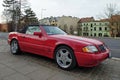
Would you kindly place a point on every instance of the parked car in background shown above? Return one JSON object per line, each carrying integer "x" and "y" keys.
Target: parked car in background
{"x": 67, "y": 50}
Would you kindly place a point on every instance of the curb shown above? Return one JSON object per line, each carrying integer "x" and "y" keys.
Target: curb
{"x": 114, "y": 58}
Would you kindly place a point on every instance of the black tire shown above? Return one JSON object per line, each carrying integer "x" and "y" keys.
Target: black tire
{"x": 64, "y": 57}
{"x": 14, "y": 47}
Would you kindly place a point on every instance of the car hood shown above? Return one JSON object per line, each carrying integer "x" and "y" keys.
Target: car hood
{"x": 78, "y": 39}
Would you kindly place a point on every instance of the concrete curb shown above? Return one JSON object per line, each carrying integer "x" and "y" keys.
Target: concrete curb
{"x": 114, "y": 58}
{"x": 117, "y": 38}
{"x": 109, "y": 37}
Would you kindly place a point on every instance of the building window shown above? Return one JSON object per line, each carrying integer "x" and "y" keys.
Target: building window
{"x": 100, "y": 34}
{"x": 106, "y": 35}
{"x": 105, "y": 28}
{"x": 106, "y": 24}
{"x": 91, "y": 25}
{"x": 91, "y": 29}
{"x": 87, "y": 34}
{"x": 86, "y": 28}
{"x": 94, "y": 23}
{"x": 100, "y": 28}
{"x": 95, "y": 34}
{"x": 84, "y": 34}
{"x": 80, "y": 24}
{"x": 94, "y": 28}
{"x": 91, "y": 35}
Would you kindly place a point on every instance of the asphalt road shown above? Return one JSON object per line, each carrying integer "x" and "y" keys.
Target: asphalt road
{"x": 3, "y": 35}
{"x": 112, "y": 43}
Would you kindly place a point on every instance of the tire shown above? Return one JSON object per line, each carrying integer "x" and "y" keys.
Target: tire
{"x": 14, "y": 47}
{"x": 64, "y": 57}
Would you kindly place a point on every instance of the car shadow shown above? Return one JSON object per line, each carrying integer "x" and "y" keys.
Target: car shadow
{"x": 52, "y": 64}
{"x": 79, "y": 72}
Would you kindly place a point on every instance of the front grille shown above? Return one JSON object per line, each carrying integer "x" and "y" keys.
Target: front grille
{"x": 102, "y": 48}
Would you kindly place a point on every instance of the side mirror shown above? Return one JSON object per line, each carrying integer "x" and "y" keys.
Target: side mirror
{"x": 38, "y": 34}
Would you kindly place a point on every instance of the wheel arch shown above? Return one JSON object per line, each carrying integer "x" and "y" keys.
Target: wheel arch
{"x": 57, "y": 46}
{"x": 13, "y": 39}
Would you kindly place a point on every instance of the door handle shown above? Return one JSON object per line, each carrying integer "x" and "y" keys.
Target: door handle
{"x": 23, "y": 36}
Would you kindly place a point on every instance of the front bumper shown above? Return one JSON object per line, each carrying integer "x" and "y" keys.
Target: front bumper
{"x": 110, "y": 56}
{"x": 90, "y": 60}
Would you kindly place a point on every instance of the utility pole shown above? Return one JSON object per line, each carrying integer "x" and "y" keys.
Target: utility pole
{"x": 17, "y": 15}
{"x": 19, "y": 22}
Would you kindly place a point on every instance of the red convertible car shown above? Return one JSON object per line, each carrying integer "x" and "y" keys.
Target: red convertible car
{"x": 67, "y": 50}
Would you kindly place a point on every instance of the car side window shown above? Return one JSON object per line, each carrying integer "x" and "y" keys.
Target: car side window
{"x": 32, "y": 29}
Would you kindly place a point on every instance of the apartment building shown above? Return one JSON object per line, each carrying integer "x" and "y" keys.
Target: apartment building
{"x": 95, "y": 28}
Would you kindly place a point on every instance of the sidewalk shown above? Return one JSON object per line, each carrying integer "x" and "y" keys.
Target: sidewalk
{"x": 33, "y": 67}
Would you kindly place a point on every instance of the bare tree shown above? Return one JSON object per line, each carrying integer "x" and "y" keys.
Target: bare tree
{"x": 111, "y": 9}
{"x": 112, "y": 14}
{"x": 14, "y": 11}
{"x": 115, "y": 25}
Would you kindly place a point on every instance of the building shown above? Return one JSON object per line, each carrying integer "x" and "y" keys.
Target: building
{"x": 45, "y": 21}
{"x": 53, "y": 21}
{"x": 95, "y": 28}
{"x": 67, "y": 23}
{"x": 115, "y": 25}
{"x": 4, "y": 28}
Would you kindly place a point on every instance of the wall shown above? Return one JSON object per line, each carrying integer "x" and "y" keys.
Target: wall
{"x": 3, "y": 27}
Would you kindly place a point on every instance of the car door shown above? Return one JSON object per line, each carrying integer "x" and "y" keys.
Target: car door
{"x": 33, "y": 43}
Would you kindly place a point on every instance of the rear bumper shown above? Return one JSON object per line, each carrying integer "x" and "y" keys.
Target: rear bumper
{"x": 90, "y": 60}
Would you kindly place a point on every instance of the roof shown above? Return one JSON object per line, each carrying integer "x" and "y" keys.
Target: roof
{"x": 115, "y": 17}
{"x": 87, "y": 19}
{"x": 104, "y": 20}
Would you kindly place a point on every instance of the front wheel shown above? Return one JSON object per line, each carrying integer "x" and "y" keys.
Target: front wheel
{"x": 14, "y": 47}
{"x": 65, "y": 58}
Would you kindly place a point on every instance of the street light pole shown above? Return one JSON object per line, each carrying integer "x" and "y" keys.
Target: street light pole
{"x": 42, "y": 12}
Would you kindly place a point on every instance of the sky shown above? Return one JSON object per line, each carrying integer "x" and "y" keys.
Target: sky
{"x": 75, "y": 8}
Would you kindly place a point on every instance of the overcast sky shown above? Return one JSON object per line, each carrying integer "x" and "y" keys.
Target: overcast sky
{"x": 77, "y": 8}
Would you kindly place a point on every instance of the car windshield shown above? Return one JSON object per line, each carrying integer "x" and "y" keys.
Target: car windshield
{"x": 53, "y": 30}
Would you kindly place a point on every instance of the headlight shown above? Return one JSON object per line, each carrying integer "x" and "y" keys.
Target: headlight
{"x": 90, "y": 49}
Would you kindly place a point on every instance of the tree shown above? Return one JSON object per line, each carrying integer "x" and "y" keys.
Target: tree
{"x": 112, "y": 14}
{"x": 30, "y": 17}
{"x": 14, "y": 12}
{"x": 9, "y": 11}
{"x": 114, "y": 18}
{"x": 65, "y": 27}
{"x": 71, "y": 29}
{"x": 115, "y": 25}
{"x": 111, "y": 9}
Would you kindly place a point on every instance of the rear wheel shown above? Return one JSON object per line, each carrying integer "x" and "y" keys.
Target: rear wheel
{"x": 65, "y": 58}
{"x": 14, "y": 47}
